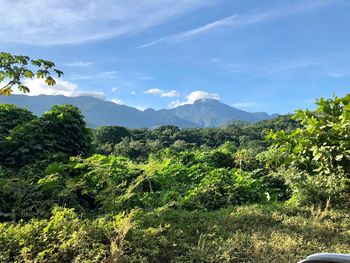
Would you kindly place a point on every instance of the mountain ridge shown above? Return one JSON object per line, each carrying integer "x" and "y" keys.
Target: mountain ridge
{"x": 97, "y": 112}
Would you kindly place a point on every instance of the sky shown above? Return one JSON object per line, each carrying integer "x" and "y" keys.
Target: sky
{"x": 257, "y": 55}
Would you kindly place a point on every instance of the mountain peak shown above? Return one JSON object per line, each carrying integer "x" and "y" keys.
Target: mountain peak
{"x": 206, "y": 100}
{"x": 149, "y": 110}
{"x": 202, "y": 113}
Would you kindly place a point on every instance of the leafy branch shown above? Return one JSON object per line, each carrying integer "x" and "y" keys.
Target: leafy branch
{"x": 13, "y": 69}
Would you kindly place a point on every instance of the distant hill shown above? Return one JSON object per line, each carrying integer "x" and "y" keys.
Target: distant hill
{"x": 213, "y": 113}
{"x": 97, "y": 112}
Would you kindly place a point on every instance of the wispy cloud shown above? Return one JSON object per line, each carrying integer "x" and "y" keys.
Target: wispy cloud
{"x": 62, "y": 87}
{"x": 79, "y": 77}
{"x": 108, "y": 74}
{"x": 117, "y": 101}
{"x": 246, "y": 104}
{"x": 194, "y": 96}
{"x": 120, "y": 78}
{"x": 272, "y": 68}
{"x": 227, "y": 21}
{"x": 79, "y": 64}
{"x": 339, "y": 73}
{"x": 240, "y": 20}
{"x": 101, "y": 75}
{"x": 55, "y": 22}
{"x": 163, "y": 93}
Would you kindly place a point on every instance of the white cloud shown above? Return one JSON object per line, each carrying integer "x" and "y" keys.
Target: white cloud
{"x": 54, "y": 22}
{"x": 133, "y": 93}
{"x": 339, "y": 73}
{"x": 108, "y": 74}
{"x": 335, "y": 74}
{"x": 114, "y": 89}
{"x": 240, "y": 20}
{"x": 176, "y": 103}
{"x": 194, "y": 96}
{"x": 117, "y": 101}
{"x": 62, "y": 87}
{"x": 201, "y": 95}
{"x": 272, "y": 68}
{"x": 153, "y": 91}
{"x": 171, "y": 93}
{"x": 163, "y": 93}
{"x": 79, "y": 64}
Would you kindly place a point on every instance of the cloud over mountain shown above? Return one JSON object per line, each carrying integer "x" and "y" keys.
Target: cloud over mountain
{"x": 62, "y": 87}
{"x": 194, "y": 96}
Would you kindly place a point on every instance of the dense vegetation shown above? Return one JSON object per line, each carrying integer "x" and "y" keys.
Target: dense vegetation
{"x": 70, "y": 194}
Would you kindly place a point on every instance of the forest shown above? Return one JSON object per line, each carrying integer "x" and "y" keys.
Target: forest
{"x": 272, "y": 191}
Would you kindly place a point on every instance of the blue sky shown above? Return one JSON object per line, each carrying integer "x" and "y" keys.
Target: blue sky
{"x": 257, "y": 55}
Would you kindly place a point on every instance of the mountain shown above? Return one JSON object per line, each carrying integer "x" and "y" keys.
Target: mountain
{"x": 97, "y": 112}
{"x": 168, "y": 118}
{"x": 213, "y": 113}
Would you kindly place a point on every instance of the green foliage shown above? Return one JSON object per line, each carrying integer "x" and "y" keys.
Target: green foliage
{"x": 11, "y": 116}
{"x": 171, "y": 195}
{"x": 100, "y": 184}
{"x": 66, "y": 130}
{"x": 14, "y": 68}
{"x": 138, "y": 144}
{"x": 65, "y": 237}
{"x": 61, "y": 130}
{"x": 89, "y": 185}
{"x": 245, "y": 159}
{"x": 108, "y": 135}
{"x": 132, "y": 149}
{"x": 221, "y": 188}
{"x": 242, "y": 234}
{"x": 316, "y": 157}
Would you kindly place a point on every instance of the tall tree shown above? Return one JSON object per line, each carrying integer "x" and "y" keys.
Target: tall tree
{"x": 11, "y": 116}
{"x": 62, "y": 130}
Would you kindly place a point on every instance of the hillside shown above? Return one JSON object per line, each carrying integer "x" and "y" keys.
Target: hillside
{"x": 97, "y": 112}
{"x": 227, "y": 194}
{"x": 213, "y": 113}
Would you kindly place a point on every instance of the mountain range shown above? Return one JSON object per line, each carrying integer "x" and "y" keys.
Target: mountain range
{"x": 97, "y": 112}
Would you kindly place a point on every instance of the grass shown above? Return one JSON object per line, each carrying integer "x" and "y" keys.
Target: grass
{"x": 249, "y": 233}
{"x": 243, "y": 234}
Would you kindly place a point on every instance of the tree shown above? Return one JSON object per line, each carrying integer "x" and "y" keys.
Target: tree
{"x": 11, "y": 116}
{"x": 135, "y": 150}
{"x": 110, "y": 134}
{"x": 14, "y": 68}
{"x": 62, "y": 130}
{"x": 65, "y": 130}
{"x": 317, "y": 156}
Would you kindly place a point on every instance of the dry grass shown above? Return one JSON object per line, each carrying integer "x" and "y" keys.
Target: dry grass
{"x": 247, "y": 234}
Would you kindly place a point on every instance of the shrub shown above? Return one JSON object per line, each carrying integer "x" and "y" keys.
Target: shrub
{"x": 316, "y": 157}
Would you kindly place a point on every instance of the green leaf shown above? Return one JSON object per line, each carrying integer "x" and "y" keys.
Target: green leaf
{"x": 50, "y": 81}
{"x": 339, "y": 157}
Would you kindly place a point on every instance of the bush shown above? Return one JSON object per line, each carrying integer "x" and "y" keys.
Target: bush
{"x": 65, "y": 237}
{"x": 61, "y": 130}
{"x": 316, "y": 158}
